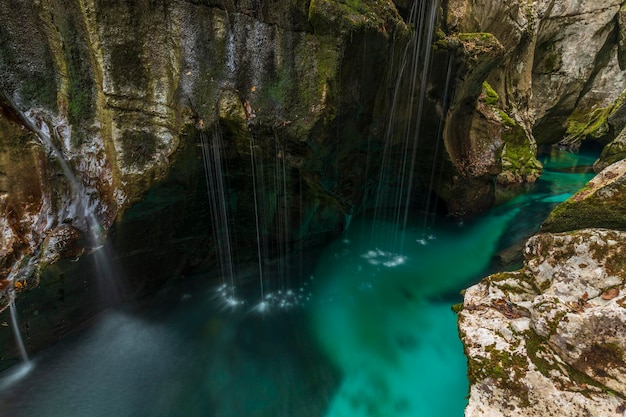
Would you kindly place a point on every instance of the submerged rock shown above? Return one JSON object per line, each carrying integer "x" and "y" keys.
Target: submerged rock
{"x": 549, "y": 339}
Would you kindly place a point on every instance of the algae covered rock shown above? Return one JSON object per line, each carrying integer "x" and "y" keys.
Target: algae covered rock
{"x": 549, "y": 339}
{"x": 600, "y": 203}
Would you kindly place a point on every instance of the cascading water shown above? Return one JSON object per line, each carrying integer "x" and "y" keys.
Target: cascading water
{"x": 435, "y": 175}
{"x": 253, "y": 163}
{"x": 25, "y": 367}
{"x": 76, "y": 207}
{"x": 390, "y": 341}
{"x": 382, "y": 321}
{"x": 212, "y": 146}
{"x": 270, "y": 285}
{"x": 17, "y": 334}
{"x": 404, "y": 127}
{"x": 79, "y": 209}
{"x": 270, "y": 196}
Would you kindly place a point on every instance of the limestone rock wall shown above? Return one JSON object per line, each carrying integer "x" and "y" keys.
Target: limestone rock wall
{"x": 541, "y": 89}
{"x": 549, "y": 339}
{"x": 103, "y": 108}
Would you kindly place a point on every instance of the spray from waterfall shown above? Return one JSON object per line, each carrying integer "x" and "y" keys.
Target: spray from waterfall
{"x": 17, "y": 372}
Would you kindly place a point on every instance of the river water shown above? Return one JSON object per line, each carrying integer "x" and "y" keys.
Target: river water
{"x": 375, "y": 335}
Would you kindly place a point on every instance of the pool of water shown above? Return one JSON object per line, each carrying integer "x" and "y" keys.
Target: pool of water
{"x": 375, "y": 335}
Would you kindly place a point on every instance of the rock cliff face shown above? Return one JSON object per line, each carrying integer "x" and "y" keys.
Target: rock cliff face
{"x": 549, "y": 339}
{"x": 110, "y": 112}
{"x": 107, "y": 107}
{"x": 539, "y": 89}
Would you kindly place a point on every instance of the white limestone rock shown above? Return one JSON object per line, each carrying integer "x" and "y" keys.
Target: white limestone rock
{"x": 550, "y": 339}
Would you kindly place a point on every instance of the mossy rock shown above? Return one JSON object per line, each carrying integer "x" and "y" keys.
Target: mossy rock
{"x": 592, "y": 124}
{"x": 600, "y": 204}
{"x": 345, "y": 16}
{"x": 479, "y": 43}
{"x": 613, "y": 152}
{"x": 491, "y": 97}
{"x": 518, "y": 153}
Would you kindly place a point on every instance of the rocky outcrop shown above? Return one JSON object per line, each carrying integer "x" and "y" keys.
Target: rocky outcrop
{"x": 600, "y": 203}
{"x": 541, "y": 90}
{"x": 549, "y": 339}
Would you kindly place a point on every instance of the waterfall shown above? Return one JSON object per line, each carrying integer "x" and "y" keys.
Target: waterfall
{"x": 402, "y": 136}
{"x": 253, "y": 163}
{"x": 435, "y": 176}
{"x": 264, "y": 226}
{"x": 212, "y": 147}
{"x": 78, "y": 208}
{"x": 79, "y": 197}
{"x": 20, "y": 371}
{"x": 17, "y": 334}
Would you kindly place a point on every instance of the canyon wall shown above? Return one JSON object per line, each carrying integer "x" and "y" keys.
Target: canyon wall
{"x": 107, "y": 108}
{"x": 546, "y": 339}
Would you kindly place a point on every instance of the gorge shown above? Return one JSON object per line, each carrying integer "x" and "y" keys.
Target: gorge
{"x": 155, "y": 149}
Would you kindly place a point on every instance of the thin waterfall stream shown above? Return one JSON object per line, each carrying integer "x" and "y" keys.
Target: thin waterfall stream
{"x": 16, "y": 333}
{"x": 377, "y": 337}
{"x": 80, "y": 211}
{"x": 403, "y": 134}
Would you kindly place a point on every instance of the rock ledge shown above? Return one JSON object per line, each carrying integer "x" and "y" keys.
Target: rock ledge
{"x": 549, "y": 339}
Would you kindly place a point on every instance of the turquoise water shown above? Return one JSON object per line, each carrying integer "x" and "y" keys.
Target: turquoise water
{"x": 384, "y": 316}
{"x": 376, "y": 338}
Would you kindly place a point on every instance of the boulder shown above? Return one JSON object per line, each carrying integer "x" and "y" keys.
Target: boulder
{"x": 600, "y": 203}
{"x": 549, "y": 339}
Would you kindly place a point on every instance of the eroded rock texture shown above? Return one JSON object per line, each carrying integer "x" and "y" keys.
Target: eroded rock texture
{"x": 549, "y": 339}
{"x": 600, "y": 203}
{"x": 539, "y": 89}
{"x": 105, "y": 106}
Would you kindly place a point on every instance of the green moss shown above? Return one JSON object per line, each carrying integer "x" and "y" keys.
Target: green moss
{"x": 505, "y": 368}
{"x": 491, "y": 97}
{"x": 127, "y": 66}
{"x": 593, "y": 123}
{"x": 328, "y": 16}
{"x": 37, "y": 87}
{"x": 518, "y": 153}
{"x": 80, "y": 89}
{"x": 476, "y": 36}
{"x": 607, "y": 211}
{"x": 441, "y": 41}
{"x": 542, "y": 356}
{"x": 507, "y": 120}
